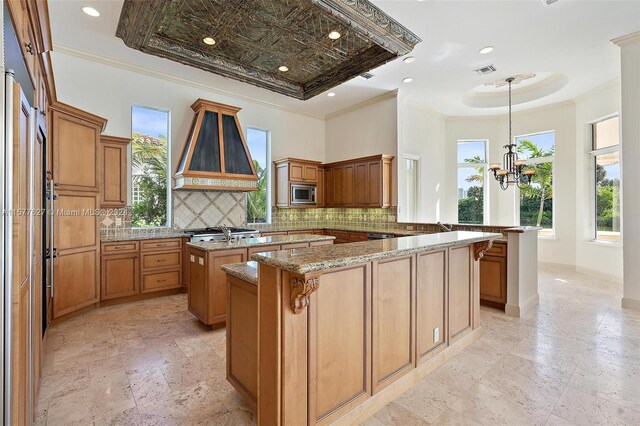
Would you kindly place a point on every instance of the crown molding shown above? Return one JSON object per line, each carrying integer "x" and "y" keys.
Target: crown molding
{"x": 568, "y": 102}
{"x": 608, "y": 85}
{"x": 371, "y": 101}
{"x": 89, "y": 56}
{"x": 627, "y": 40}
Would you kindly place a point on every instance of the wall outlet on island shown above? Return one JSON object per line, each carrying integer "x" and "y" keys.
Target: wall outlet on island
{"x": 436, "y": 335}
{"x": 118, "y": 221}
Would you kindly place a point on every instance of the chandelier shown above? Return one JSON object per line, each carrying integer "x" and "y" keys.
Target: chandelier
{"x": 512, "y": 171}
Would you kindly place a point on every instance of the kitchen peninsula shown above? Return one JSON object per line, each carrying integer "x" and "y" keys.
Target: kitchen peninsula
{"x": 337, "y": 325}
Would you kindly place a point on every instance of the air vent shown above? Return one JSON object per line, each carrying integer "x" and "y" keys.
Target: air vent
{"x": 366, "y": 75}
{"x": 485, "y": 70}
{"x": 548, "y": 2}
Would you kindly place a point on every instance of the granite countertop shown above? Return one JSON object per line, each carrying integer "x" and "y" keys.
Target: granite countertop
{"x": 523, "y": 229}
{"x": 304, "y": 261}
{"x": 282, "y": 228}
{"x": 247, "y": 271}
{"x": 260, "y": 241}
{"x": 145, "y": 236}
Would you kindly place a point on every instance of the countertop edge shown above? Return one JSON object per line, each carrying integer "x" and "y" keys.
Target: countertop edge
{"x": 321, "y": 266}
{"x": 243, "y": 244}
{"x": 243, "y": 271}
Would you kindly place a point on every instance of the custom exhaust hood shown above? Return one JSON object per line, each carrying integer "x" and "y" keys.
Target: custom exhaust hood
{"x": 215, "y": 155}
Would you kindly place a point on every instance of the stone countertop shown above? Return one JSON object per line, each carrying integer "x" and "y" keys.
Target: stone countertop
{"x": 314, "y": 259}
{"x": 145, "y": 236}
{"x": 523, "y": 229}
{"x": 247, "y": 271}
{"x": 286, "y": 228}
{"x": 260, "y": 241}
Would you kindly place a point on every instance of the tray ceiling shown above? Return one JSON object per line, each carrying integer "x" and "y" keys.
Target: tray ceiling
{"x": 253, "y": 38}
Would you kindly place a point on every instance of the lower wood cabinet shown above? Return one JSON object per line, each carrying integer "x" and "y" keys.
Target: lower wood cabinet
{"x": 493, "y": 276}
{"x": 120, "y": 275}
{"x": 131, "y": 268}
{"x": 431, "y": 315}
{"x": 75, "y": 281}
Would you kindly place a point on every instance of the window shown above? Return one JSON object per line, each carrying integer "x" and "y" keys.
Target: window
{"x": 150, "y": 190}
{"x": 536, "y": 200}
{"x": 258, "y": 202}
{"x": 472, "y": 166}
{"x": 605, "y": 155}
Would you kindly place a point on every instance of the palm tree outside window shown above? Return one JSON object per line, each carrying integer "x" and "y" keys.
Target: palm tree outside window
{"x": 472, "y": 166}
{"x": 259, "y": 202}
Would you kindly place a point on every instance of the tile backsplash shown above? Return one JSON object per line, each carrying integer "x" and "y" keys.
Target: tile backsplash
{"x": 200, "y": 209}
{"x": 337, "y": 216}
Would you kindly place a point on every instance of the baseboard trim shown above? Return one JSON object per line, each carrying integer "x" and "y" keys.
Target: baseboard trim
{"x": 631, "y": 303}
{"x": 520, "y": 311}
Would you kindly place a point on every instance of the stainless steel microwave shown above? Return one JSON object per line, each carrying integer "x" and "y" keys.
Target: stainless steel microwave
{"x": 303, "y": 194}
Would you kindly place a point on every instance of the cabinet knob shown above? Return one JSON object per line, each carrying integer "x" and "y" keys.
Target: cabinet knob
{"x": 29, "y": 48}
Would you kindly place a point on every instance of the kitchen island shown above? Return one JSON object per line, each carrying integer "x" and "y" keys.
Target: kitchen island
{"x": 342, "y": 330}
{"x": 207, "y": 287}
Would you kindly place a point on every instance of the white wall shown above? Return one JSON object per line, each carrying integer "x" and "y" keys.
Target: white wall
{"x": 421, "y": 133}
{"x": 366, "y": 129}
{"x": 110, "y": 92}
{"x": 602, "y": 258}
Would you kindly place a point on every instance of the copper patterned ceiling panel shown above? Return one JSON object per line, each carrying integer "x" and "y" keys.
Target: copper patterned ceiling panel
{"x": 255, "y": 37}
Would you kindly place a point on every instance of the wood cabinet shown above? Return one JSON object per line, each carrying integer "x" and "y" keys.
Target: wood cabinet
{"x": 297, "y": 171}
{"x": 132, "y": 268}
{"x": 355, "y": 236}
{"x": 493, "y": 276}
{"x": 341, "y": 237}
{"x": 120, "y": 275}
{"x": 363, "y": 182}
{"x": 431, "y": 296}
{"x": 113, "y": 171}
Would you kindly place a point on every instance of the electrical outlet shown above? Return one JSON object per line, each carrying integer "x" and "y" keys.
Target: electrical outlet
{"x": 193, "y": 258}
{"x": 118, "y": 221}
{"x": 201, "y": 260}
{"x": 436, "y": 335}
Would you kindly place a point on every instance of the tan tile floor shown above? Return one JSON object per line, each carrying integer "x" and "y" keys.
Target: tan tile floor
{"x": 573, "y": 360}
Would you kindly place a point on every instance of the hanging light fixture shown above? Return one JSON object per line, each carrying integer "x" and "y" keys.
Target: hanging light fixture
{"x": 512, "y": 170}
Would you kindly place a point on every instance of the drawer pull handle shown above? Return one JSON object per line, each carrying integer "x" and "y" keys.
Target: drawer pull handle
{"x": 161, "y": 260}
{"x": 161, "y": 281}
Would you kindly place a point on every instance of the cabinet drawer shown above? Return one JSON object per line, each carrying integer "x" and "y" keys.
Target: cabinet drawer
{"x": 357, "y": 236}
{"x": 162, "y": 260}
{"x": 155, "y": 245}
{"x": 160, "y": 281}
{"x": 120, "y": 247}
{"x": 498, "y": 249}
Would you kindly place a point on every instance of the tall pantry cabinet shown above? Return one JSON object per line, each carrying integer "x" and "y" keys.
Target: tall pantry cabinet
{"x": 75, "y": 141}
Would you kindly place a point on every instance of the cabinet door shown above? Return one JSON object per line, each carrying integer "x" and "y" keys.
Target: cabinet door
{"x": 282, "y": 185}
{"x": 75, "y": 153}
{"x": 347, "y": 185}
{"x": 113, "y": 174}
{"x": 374, "y": 182}
{"x": 431, "y": 292}
{"x": 120, "y": 276}
{"x": 218, "y": 301}
{"x": 361, "y": 184}
{"x": 75, "y": 281}
{"x": 310, "y": 173}
{"x": 338, "y": 184}
{"x": 296, "y": 172}
{"x": 493, "y": 279}
{"x": 460, "y": 303}
{"x": 328, "y": 188}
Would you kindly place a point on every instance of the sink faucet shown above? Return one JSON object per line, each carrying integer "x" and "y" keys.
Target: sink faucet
{"x": 226, "y": 232}
{"x": 444, "y": 227}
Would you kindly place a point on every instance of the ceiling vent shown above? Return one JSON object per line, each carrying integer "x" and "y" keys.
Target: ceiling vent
{"x": 485, "y": 70}
{"x": 367, "y": 75}
{"x": 215, "y": 156}
{"x": 548, "y": 2}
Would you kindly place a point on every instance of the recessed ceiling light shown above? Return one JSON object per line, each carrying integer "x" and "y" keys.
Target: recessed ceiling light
{"x": 334, "y": 35}
{"x": 90, "y": 11}
{"x": 409, "y": 59}
{"x": 407, "y": 80}
{"x": 486, "y": 49}
{"x": 283, "y": 68}
{"x": 209, "y": 40}
{"x": 331, "y": 94}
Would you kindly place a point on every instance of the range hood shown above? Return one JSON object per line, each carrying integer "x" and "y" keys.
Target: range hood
{"x": 215, "y": 155}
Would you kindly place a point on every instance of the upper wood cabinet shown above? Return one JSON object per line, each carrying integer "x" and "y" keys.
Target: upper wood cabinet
{"x": 113, "y": 171}
{"x": 76, "y": 135}
{"x": 294, "y": 170}
{"x": 363, "y": 182}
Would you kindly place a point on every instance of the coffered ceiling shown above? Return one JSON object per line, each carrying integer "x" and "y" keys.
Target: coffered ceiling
{"x": 568, "y": 37}
{"x": 299, "y": 48}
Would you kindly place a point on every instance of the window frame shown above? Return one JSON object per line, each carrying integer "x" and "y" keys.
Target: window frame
{"x": 592, "y": 155}
{"x": 169, "y": 213}
{"x": 539, "y": 160}
{"x": 269, "y": 169}
{"x": 485, "y": 187}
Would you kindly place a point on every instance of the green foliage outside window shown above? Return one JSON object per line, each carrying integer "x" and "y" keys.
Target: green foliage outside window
{"x": 607, "y": 201}
{"x": 536, "y": 200}
{"x": 471, "y": 208}
{"x": 149, "y": 160}
{"x": 257, "y": 200}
